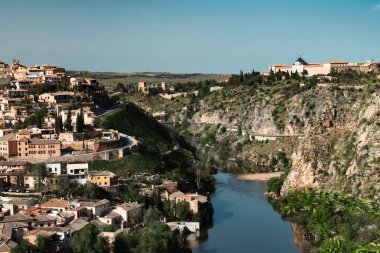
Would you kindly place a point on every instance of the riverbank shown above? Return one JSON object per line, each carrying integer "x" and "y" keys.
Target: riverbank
{"x": 258, "y": 176}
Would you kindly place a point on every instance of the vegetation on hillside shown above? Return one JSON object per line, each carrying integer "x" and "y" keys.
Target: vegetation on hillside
{"x": 338, "y": 223}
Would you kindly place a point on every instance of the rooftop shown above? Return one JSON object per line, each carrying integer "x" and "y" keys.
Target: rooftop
{"x": 56, "y": 203}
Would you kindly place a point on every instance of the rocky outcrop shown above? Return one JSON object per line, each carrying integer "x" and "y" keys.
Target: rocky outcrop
{"x": 341, "y": 147}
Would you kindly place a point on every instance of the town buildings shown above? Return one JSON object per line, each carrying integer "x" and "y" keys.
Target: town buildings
{"x": 302, "y": 67}
{"x": 102, "y": 178}
{"x": 22, "y": 145}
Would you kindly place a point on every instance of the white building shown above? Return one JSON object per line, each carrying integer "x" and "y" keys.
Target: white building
{"x": 77, "y": 172}
{"x": 54, "y": 168}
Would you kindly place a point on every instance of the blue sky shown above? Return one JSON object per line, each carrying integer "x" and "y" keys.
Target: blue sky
{"x": 209, "y": 36}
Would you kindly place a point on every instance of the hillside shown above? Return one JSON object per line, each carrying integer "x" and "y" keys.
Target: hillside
{"x": 340, "y": 150}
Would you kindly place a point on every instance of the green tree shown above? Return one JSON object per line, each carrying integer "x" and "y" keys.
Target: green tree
{"x": 45, "y": 245}
{"x": 151, "y": 215}
{"x": 120, "y": 88}
{"x": 80, "y": 121}
{"x": 182, "y": 209}
{"x": 68, "y": 122}
{"x": 58, "y": 127}
{"x": 88, "y": 240}
{"x": 25, "y": 247}
{"x": 120, "y": 245}
{"x": 157, "y": 237}
{"x": 40, "y": 171}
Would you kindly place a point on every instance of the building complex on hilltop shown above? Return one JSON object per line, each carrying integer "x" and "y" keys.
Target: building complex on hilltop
{"x": 302, "y": 67}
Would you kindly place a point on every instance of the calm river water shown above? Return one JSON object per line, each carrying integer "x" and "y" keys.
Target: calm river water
{"x": 244, "y": 221}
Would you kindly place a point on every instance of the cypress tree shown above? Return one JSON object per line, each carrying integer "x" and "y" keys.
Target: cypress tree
{"x": 68, "y": 125}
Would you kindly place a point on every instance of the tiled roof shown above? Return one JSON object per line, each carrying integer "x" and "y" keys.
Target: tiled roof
{"x": 36, "y": 141}
{"x": 56, "y": 203}
{"x": 14, "y": 163}
{"x": 101, "y": 173}
{"x": 7, "y": 137}
{"x": 93, "y": 204}
{"x": 130, "y": 206}
{"x": 16, "y": 218}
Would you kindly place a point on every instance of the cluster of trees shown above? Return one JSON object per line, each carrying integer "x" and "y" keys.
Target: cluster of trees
{"x": 154, "y": 237}
{"x": 352, "y": 221}
{"x": 351, "y": 76}
{"x": 43, "y": 245}
{"x": 36, "y": 119}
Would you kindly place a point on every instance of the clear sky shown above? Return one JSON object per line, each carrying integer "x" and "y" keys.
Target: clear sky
{"x": 209, "y": 36}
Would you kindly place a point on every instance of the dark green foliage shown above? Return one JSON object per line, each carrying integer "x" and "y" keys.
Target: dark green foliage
{"x": 139, "y": 162}
{"x": 58, "y": 127}
{"x": 36, "y": 119}
{"x": 151, "y": 215}
{"x": 134, "y": 122}
{"x": 24, "y": 247}
{"x": 120, "y": 88}
{"x": 88, "y": 240}
{"x": 351, "y": 220}
{"x": 43, "y": 245}
{"x": 68, "y": 122}
{"x": 39, "y": 170}
{"x": 182, "y": 210}
{"x": 275, "y": 184}
{"x": 80, "y": 121}
{"x": 156, "y": 237}
{"x": 91, "y": 191}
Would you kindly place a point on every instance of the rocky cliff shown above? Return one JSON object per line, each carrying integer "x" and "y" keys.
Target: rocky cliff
{"x": 341, "y": 147}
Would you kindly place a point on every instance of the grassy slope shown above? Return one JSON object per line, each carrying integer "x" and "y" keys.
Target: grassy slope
{"x": 156, "y": 139}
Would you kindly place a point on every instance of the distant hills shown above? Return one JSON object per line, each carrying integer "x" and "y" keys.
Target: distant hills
{"x": 110, "y": 79}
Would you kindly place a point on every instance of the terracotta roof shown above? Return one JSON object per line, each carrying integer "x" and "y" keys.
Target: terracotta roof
{"x": 36, "y": 141}
{"x": 281, "y": 65}
{"x": 14, "y": 163}
{"x": 16, "y": 218}
{"x": 7, "y": 245}
{"x": 7, "y": 137}
{"x": 337, "y": 61}
{"x": 93, "y": 204}
{"x": 130, "y": 206}
{"x": 77, "y": 225}
{"x": 23, "y": 132}
{"x": 56, "y": 203}
{"x": 101, "y": 173}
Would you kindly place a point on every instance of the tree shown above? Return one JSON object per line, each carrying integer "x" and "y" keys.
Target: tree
{"x": 182, "y": 209}
{"x": 120, "y": 245}
{"x": 39, "y": 171}
{"x": 24, "y": 247}
{"x": 43, "y": 245}
{"x": 68, "y": 125}
{"x": 58, "y": 127}
{"x": 151, "y": 215}
{"x": 157, "y": 237}
{"x": 120, "y": 88}
{"x": 80, "y": 121}
{"x": 88, "y": 240}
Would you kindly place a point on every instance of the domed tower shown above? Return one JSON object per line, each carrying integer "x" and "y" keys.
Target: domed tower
{"x": 300, "y": 61}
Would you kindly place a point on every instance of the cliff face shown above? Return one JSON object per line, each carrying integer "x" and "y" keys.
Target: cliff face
{"x": 341, "y": 147}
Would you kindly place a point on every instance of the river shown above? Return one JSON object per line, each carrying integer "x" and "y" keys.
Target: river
{"x": 244, "y": 221}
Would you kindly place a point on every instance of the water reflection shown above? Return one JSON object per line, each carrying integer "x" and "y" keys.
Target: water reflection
{"x": 244, "y": 221}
